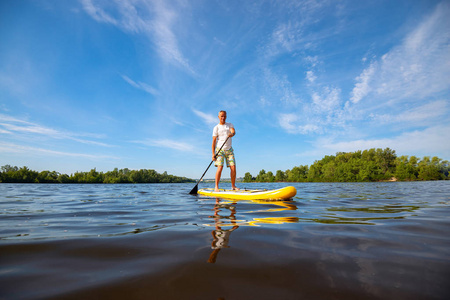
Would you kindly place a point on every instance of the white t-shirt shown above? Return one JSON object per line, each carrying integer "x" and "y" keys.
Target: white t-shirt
{"x": 222, "y": 132}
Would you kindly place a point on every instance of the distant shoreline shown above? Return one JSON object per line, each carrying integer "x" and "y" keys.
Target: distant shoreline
{"x": 9, "y": 174}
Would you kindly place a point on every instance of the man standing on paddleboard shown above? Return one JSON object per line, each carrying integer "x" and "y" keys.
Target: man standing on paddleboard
{"x": 222, "y": 134}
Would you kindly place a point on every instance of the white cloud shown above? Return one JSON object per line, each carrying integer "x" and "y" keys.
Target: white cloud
{"x": 97, "y": 13}
{"x": 317, "y": 116}
{"x": 32, "y": 151}
{"x": 263, "y": 101}
{"x": 327, "y": 101}
{"x": 31, "y": 128}
{"x": 140, "y": 85}
{"x": 2, "y": 131}
{"x": 312, "y": 60}
{"x": 310, "y": 76}
{"x": 362, "y": 87}
{"x": 431, "y": 141}
{"x": 171, "y": 144}
{"x": 165, "y": 37}
{"x": 151, "y": 18}
{"x": 286, "y": 120}
{"x": 286, "y": 36}
{"x": 430, "y": 112}
{"x": 280, "y": 87}
{"x": 294, "y": 34}
{"x": 288, "y": 123}
{"x": 417, "y": 68}
{"x": 207, "y": 118}
{"x": 13, "y": 126}
{"x": 400, "y": 87}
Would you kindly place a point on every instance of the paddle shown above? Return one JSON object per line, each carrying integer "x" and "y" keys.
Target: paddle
{"x": 195, "y": 189}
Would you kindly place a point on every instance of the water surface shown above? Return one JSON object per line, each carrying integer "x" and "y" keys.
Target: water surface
{"x": 155, "y": 241}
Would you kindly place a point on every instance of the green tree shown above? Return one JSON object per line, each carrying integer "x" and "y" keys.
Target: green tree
{"x": 248, "y": 177}
{"x": 261, "y": 176}
{"x": 64, "y": 178}
{"x": 405, "y": 169}
{"x": 314, "y": 173}
{"x": 26, "y": 175}
{"x": 47, "y": 177}
{"x": 428, "y": 170}
{"x": 329, "y": 171}
{"x": 297, "y": 174}
{"x": 386, "y": 160}
{"x": 269, "y": 177}
{"x": 280, "y": 176}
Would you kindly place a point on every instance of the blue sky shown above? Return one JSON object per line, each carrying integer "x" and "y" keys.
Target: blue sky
{"x": 138, "y": 84}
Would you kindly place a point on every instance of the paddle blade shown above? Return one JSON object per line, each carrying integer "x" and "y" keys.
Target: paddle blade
{"x": 194, "y": 190}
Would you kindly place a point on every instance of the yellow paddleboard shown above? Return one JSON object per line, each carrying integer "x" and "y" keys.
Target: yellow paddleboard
{"x": 279, "y": 194}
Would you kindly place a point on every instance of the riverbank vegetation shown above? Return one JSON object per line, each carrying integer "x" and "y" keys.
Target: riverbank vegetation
{"x": 361, "y": 166}
{"x": 9, "y": 174}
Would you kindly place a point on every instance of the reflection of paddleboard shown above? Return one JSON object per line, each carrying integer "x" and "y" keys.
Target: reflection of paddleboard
{"x": 258, "y": 222}
{"x": 279, "y": 194}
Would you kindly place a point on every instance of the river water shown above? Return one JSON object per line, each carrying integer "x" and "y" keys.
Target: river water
{"x": 386, "y": 240}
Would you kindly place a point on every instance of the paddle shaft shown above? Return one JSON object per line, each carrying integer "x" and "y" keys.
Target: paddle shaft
{"x": 195, "y": 189}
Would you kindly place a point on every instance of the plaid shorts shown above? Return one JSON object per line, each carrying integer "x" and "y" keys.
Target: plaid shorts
{"x": 228, "y": 155}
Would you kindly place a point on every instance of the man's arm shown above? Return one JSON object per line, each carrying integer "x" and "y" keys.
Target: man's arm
{"x": 232, "y": 132}
{"x": 214, "y": 147}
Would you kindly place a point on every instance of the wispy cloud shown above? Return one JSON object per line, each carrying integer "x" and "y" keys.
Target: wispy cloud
{"x": 279, "y": 87}
{"x": 415, "y": 69}
{"x": 13, "y": 126}
{"x": 431, "y": 141}
{"x": 141, "y": 85}
{"x": 405, "y": 80}
{"x": 98, "y": 13}
{"x": 362, "y": 86}
{"x": 170, "y": 144}
{"x": 289, "y": 122}
{"x": 164, "y": 35}
{"x": 310, "y": 76}
{"x": 32, "y": 151}
{"x": 327, "y": 100}
{"x": 324, "y": 109}
{"x": 429, "y": 113}
{"x": 294, "y": 41}
{"x": 285, "y": 38}
{"x": 293, "y": 34}
{"x": 207, "y": 118}
{"x": 155, "y": 19}
{"x": 31, "y": 128}
{"x": 5, "y": 131}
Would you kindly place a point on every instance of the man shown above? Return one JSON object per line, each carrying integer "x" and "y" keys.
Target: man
{"x": 220, "y": 133}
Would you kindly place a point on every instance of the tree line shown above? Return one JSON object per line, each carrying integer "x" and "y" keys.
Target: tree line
{"x": 9, "y": 174}
{"x": 361, "y": 166}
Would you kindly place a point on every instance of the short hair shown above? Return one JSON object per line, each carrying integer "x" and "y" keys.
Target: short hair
{"x": 222, "y": 111}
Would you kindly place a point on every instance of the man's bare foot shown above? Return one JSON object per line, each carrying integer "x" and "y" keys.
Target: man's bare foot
{"x": 236, "y": 189}
{"x": 216, "y": 190}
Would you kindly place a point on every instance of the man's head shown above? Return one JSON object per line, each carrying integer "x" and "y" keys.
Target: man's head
{"x": 222, "y": 116}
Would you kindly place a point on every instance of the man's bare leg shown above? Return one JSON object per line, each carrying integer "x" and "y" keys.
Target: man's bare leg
{"x": 233, "y": 177}
{"x": 218, "y": 175}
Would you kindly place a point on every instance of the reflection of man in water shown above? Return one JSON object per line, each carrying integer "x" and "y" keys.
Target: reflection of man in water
{"x": 221, "y": 237}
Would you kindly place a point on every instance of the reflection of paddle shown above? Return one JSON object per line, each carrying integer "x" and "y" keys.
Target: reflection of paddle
{"x": 195, "y": 189}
